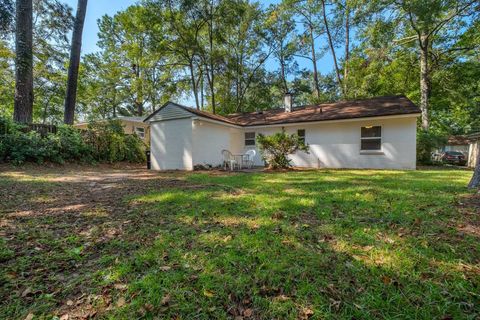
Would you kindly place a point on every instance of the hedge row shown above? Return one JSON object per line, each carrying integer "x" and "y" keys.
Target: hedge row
{"x": 101, "y": 142}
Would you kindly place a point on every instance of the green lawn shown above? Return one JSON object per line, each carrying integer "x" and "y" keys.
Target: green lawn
{"x": 330, "y": 244}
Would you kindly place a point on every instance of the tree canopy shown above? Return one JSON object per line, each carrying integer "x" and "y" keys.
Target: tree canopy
{"x": 230, "y": 56}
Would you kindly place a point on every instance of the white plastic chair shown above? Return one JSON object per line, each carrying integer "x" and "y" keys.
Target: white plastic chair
{"x": 249, "y": 158}
{"x": 228, "y": 160}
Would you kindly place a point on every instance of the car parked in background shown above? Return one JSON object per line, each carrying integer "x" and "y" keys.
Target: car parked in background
{"x": 454, "y": 157}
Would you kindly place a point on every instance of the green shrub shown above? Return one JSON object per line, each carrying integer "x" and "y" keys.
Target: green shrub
{"x": 276, "y": 148}
{"x": 135, "y": 149}
{"x": 428, "y": 142}
{"x": 20, "y": 147}
{"x": 103, "y": 142}
{"x": 72, "y": 145}
{"x": 111, "y": 144}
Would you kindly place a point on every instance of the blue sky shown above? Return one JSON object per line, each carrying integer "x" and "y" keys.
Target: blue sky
{"x": 97, "y": 8}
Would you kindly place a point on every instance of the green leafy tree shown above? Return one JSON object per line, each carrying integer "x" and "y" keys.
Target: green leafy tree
{"x": 7, "y": 12}
{"x": 428, "y": 28}
{"x": 280, "y": 28}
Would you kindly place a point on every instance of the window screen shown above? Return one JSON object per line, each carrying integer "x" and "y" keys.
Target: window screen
{"x": 140, "y": 132}
{"x": 371, "y": 138}
{"x": 249, "y": 138}
{"x": 301, "y": 134}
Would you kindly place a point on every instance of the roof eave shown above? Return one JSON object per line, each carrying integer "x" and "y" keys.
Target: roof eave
{"x": 290, "y": 123}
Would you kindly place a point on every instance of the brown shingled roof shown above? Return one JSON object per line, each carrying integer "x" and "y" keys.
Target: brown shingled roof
{"x": 458, "y": 140}
{"x": 365, "y": 108}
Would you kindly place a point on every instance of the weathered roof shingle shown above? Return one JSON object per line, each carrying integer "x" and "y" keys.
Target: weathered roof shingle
{"x": 342, "y": 110}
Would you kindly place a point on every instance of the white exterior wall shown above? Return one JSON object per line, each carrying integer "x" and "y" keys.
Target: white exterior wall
{"x": 209, "y": 139}
{"x": 171, "y": 144}
{"x": 337, "y": 144}
{"x": 473, "y": 153}
{"x": 180, "y": 140}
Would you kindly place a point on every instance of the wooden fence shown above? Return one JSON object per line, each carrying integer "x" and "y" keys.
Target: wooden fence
{"x": 42, "y": 129}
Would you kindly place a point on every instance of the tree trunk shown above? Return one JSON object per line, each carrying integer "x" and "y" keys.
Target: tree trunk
{"x": 74, "y": 65}
{"x": 212, "y": 75}
{"x": 45, "y": 109}
{"x": 424, "y": 81}
{"x": 194, "y": 83}
{"x": 284, "y": 77}
{"x": 138, "y": 90}
{"x": 202, "y": 87}
{"x": 475, "y": 182}
{"x": 114, "y": 102}
{"x": 314, "y": 61}
{"x": 347, "y": 50}
{"x": 23, "y": 106}
{"x": 332, "y": 48}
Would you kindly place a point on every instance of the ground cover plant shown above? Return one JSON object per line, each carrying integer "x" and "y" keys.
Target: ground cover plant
{"x": 126, "y": 243}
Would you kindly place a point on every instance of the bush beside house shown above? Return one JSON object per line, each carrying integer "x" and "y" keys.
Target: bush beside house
{"x": 99, "y": 143}
{"x": 428, "y": 142}
{"x": 276, "y": 148}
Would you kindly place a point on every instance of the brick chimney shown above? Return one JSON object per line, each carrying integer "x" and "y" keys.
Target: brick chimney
{"x": 288, "y": 102}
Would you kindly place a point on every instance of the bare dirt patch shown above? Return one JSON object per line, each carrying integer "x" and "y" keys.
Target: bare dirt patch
{"x": 59, "y": 225}
{"x": 469, "y": 207}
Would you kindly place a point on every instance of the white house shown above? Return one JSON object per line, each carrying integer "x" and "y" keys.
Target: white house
{"x": 474, "y": 149}
{"x": 370, "y": 133}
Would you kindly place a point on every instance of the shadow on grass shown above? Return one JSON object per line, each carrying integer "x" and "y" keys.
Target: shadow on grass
{"x": 321, "y": 244}
{"x": 253, "y": 244}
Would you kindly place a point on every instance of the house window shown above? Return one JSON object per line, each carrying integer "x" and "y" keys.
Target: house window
{"x": 301, "y": 135}
{"x": 249, "y": 138}
{"x": 139, "y": 131}
{"x": 371, "y": 139}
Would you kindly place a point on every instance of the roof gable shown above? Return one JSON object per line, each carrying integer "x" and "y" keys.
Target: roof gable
{"x": 169, "y": 111}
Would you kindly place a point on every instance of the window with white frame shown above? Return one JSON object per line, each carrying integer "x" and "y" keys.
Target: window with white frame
{"x": 139, "y": 131}
{"x": 301, "y": 134}
{"x": 249, "y": 138}
{"x": 371, "y": 138}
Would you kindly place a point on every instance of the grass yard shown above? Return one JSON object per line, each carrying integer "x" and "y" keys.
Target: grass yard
{"x": 125, "y": 243}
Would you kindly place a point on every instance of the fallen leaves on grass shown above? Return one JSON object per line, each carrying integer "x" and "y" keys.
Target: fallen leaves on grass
{"x": 120, "y": 286}
{"x": 29, "y": 316}
{"x": 208, "y": 293}
{"x": 121, "y": 302}
{"x": 165, "y": 300}
{"x": 281, "y": 298}
{"x": 305, "y": 313}
{"x": 26, "y": 292}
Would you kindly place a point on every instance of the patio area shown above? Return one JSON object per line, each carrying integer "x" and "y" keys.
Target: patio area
{"x": 240, "y": 162}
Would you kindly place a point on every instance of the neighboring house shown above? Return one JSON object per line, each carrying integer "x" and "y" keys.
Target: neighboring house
{"x": 474, "y": 149}
{"x": 131, "y": 125}
{"x": 371, "y": 133}
{"x": 457, "y": 143}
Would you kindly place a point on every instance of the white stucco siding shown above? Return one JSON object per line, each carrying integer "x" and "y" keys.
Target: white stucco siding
{"x": 337, "y": 144}
{"x": 181, "y": 139}
{"x": 209, "y": 139}
{"x": 171, "y": 144}
{"x": 473, "y": 151}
